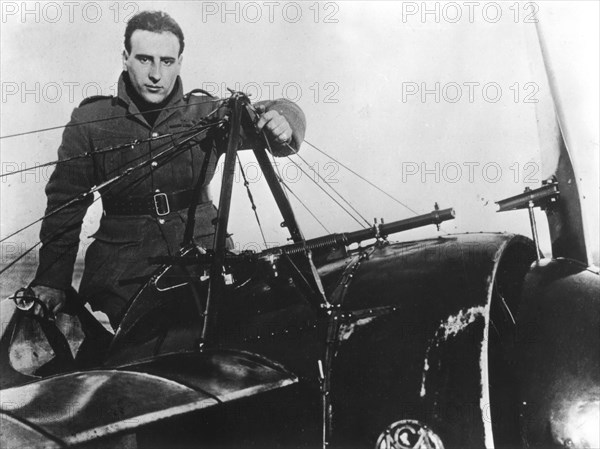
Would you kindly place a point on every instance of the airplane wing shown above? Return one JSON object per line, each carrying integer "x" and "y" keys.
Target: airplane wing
{"x": 74, "y": 408}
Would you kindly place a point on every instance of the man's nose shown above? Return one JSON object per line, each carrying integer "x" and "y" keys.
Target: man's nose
{"x": 155, "y": 73}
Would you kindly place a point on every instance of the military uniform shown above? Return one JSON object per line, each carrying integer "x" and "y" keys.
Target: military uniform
{"x": 132, "y": 227}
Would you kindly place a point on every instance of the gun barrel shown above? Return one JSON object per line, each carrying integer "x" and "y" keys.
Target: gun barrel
{"x": 538, "y": 197}
{"x": 435, "y": 217}
{"x": 379, "y": 230}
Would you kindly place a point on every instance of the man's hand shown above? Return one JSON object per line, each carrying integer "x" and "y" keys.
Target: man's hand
{"x": 53, "y": 298}
{"x": 275, "y": 124}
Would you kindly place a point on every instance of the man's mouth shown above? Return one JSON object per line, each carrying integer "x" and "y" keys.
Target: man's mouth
{"x": 153, "y": 89}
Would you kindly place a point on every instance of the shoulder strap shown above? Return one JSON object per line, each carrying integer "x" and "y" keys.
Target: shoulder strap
{"x": 93, "y": 99}
{"x": 197, "y": 91}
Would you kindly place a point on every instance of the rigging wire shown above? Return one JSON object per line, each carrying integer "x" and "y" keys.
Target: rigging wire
{"x": 251, "y": 198}
{"x": 363, "y": 178}
{"x": 163, "y": 153}
{"x": 330, "y": 186}
{"x": 108, "y": 148}
{"x": 279, "y": 178}
{"x": 22, "y": 255}
{"x": 103, "y": 119}
{"x": 186, "y": 105}
{"x": 263, "y": 134}
{"x": 168, "y": 157}
{"x": 103, "y": 150}
{"x": 329, "y": 195}
{"x": 309, "y": 211}
{"x": 110, "y": 181}
{"x": 286, "y": 187}
{"x": 69, "y": 219}
{"x": 337, "y": 202}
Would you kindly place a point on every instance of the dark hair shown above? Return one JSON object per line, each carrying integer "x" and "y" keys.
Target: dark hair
{"x": 155, "y": 21}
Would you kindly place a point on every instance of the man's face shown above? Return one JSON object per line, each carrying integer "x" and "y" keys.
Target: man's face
{"x": 153, "y": 64}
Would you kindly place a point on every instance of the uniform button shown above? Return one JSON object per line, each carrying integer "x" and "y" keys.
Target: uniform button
{"x": 154, "y": 134}
{"x": 161, "y": 220}
{"x": 154, "y": 164}
{"x": 157, "y": 191}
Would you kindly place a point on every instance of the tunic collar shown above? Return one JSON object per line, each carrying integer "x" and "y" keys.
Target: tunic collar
{"x": 133, "y": 109}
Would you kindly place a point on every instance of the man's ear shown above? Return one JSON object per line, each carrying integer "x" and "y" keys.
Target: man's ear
{"x": 180, "y": 59}
{"x": 125, "y": 58}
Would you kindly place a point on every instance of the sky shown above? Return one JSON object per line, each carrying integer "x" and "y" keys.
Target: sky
{"x": 434, "y": 102}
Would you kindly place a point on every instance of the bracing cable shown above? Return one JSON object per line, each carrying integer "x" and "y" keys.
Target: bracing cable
{"x": 251, "y": 198}
{"x": 332, "y": 188}
{"x": 363, "y": 178}
{"x": 102, "y": 119}
{"x": 110, "y": 181}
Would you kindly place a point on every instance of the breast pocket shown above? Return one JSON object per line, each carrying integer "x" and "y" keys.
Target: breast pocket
{"x": 188, "y": 161}
{"x": 113, "y": 154}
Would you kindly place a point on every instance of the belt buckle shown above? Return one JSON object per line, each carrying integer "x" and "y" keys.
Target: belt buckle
{"x": 161, "y": 204}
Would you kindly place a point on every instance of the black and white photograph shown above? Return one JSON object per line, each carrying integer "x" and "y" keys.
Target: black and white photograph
{"x": 300, "y": 224}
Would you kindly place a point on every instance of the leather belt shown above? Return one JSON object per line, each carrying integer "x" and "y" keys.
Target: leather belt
{"x": 158, "y": 204}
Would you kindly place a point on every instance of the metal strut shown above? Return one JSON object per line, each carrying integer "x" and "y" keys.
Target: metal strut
{"x": 216, "y": 282}
{"x": 334, "y": 321}
{"x": 305, "y": 272}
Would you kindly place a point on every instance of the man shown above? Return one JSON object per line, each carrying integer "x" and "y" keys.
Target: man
{"x": 144, "y": 212}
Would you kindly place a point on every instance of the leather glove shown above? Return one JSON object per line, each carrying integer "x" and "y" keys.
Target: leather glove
{"x": 53, "y": 298}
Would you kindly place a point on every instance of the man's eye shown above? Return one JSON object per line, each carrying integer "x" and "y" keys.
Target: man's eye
{"x": 144, "y": 60}
{"x": 168, "y": 63}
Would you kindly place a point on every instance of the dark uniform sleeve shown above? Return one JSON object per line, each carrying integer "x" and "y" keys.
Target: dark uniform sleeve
{"x": 297, "y": 120}
{"x": 60, "y": 231}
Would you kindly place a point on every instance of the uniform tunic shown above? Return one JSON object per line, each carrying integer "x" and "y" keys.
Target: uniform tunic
{"x": 116, "y": 263}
